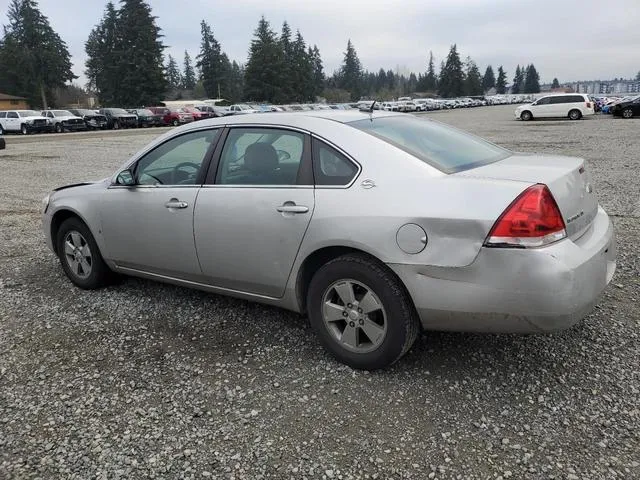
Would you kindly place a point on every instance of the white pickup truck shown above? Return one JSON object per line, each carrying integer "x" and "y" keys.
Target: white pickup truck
{"x": 23, "y": 121}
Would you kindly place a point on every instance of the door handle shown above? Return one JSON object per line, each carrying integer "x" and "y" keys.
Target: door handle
{"x": 292, "y": 208}
{"x": 174, "y": 203}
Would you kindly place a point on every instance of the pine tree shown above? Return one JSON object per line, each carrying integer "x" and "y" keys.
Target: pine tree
{"x": 501, "y": 81}
{"x": 317, "y": 72}
{"x": 351, "y": 73}
{"x": 103, "y": 57}
{"x": 518, "y": 81}
{"x": 188, "y": 73}
{"x": 140, "y": 66}
{"x": 555, "y": 83}
{"x": 213, "y": 64}
{"x": 451, "y": 82}
{"x": 288, "y": 74}
{"x": 473, "y": 79}
{"x": 235, "y": 89}
{"x": 34, "y": 60}
{"x": 532, "y": 80}
{"x": 489, "y": 79}
{"x": 263, "y": 72}
{"x": 430, "y": 79}
{"x": 302, "y": 70}
{"x": 174, "y": 79}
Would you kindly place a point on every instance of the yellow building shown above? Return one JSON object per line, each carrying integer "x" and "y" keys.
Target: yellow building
{"x": 10, "y": 102}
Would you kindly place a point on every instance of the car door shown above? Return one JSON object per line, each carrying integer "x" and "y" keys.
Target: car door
{"x": 13, "y": 122}
{"x": 542, "y": 108}
{"x": 251, "y": 216}
{"x": 148, "y": 226}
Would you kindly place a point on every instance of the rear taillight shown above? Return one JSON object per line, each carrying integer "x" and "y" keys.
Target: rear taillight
{"x": 532, "y": 220}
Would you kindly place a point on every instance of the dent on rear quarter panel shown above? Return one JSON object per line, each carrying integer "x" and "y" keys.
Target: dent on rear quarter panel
{"x": 456, "y": 213}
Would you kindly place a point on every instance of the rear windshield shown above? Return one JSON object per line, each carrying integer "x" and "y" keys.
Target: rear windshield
{"x": 441, "y": 146}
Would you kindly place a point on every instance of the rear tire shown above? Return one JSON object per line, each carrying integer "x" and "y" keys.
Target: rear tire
{"x": 361, "y": 312}
{"x": 526, "y": 116}
{"x": 175, "y": 123}
{"x": 627, "y": 113}
{"x": 58, "y": 128}
{"x": 575, "y": 114}
{"x": 80, "y": 257}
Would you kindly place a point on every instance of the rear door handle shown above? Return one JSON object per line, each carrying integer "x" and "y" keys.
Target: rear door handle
{"x": 288, "y": 208}
{"x": 173, "y": 203}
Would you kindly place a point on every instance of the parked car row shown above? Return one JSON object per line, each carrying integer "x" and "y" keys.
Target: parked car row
{"x": 626, "y": 107}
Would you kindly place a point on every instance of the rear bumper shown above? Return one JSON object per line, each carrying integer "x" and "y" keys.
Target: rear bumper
{"x": 517, "y": 290}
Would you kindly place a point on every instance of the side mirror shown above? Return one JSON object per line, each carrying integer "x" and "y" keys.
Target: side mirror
{"x": 125, "y": 178}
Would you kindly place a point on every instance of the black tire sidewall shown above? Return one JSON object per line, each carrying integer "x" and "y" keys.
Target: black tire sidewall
{"x": 100, "y": 273}
{"x": 579, "y": 115}
{"x": 388, "y": 289}
{"x": 526, "y": 115}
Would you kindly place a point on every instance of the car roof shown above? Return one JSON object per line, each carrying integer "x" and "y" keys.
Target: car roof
{"x": 299, "y": 119}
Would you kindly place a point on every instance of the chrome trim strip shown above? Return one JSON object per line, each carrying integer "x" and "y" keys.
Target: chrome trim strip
{"x": 298, "y": 187}
{"x": 194, "y": 284}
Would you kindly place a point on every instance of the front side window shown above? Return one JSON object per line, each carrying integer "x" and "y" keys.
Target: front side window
{"x": 177, "y": 161}
{"x": 12, "y": 115}
{"x": 330, "y": 167}
{"x": 446, "y": 148}
{"x": 261, "y": 156}
{"x": 544, "y": 101}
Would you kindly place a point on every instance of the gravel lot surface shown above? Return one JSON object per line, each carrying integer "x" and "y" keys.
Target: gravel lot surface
{"x": 144, "y": 380}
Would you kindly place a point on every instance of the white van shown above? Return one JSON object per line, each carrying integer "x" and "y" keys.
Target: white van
{"x": 568, "y": 105}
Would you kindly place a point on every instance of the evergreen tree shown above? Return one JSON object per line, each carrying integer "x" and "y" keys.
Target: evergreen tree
{"x": 140, "y": 66}
{"x": 518, "y": 81}
{"x": 189, "y": 74}
{"x": 451, "y": 82}
{"x": 212, "y": 63}
{"x": 289, "y": 82}
{"x": 501, "y": 82}
{"x": 174, "y": 79}
{"x": 430, "y": 79}
{"x": 351, "y": 73}
{"x": 263, "y": 73}
{"x": 473, "y": 79}
{"x": 302, "y": 70}
{"x": 34, "y": 60}
{"x": 489, "y": 79}
{"x": 235, "y": 89}
{"x": 103, "y": 57}
{"x": 555, "y": 83}
{"x": 532, "y": 80}
{"x": 318, "y": 72}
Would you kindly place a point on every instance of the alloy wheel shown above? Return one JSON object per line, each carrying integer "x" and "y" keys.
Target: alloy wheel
{"x": 628, "y": 113}
{"x": 354, "y": 316}
{"x": 78, "y": 254}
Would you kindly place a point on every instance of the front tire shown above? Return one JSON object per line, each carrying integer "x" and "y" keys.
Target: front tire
{"x": 116, "y": 125}
{"x": 58, "y": 128}
{"x": 80, "y": 257}
{"x": 526, "y": 116}
{"x": 175, "y": 123}
{"x": 361, "y": 312}
{"x": 627, "y": 113}
{"x": 575, "y": 114}
{"x": 24, "y": 130}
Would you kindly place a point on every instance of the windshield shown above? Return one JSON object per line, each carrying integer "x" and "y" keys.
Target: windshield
{"x": 62, "y": 113}
{"x": 29, "y": 113}
{"x": 441, "y": 146}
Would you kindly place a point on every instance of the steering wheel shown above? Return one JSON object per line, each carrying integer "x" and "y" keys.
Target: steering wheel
{"x": 179, "y": 176}
{"x": 282, "y": 155}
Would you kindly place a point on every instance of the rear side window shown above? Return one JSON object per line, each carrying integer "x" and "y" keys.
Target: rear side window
{"x": 330, "y": 167}
{"x": 441, "y": 146}
{"x": 557, "y": 100}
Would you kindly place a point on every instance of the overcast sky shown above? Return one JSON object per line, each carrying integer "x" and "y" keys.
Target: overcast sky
{"x": 571, "y": 40}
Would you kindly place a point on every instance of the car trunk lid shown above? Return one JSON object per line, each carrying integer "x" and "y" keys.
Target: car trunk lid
{"x": 567, "y": 179}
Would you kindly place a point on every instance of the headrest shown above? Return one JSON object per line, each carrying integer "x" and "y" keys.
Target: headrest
{"x": 261, "y": 157}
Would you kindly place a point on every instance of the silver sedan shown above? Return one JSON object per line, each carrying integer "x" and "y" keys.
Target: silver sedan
{"x": 374, "y": 225}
